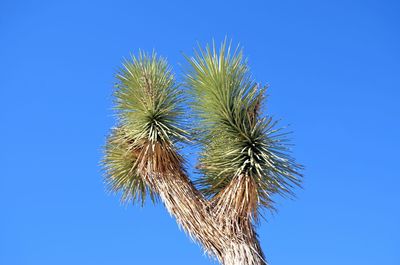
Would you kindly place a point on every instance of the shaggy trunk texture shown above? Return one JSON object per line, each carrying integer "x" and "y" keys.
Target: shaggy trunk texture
{"x": 222, "y": 233}
{"x": 233, "y": 208}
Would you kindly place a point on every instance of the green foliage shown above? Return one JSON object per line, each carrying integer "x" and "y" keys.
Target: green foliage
{"x": 236, "y": 139}
{"x": 148, "y": 103}
{"x": 149, "y": 100}
{"x": 120, "y": 164}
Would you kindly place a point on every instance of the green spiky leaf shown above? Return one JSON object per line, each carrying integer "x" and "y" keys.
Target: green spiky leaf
{"x": 120, "y": 164}
{"x": 149, "y": 99}
{"x": 148, "y": 103}
{"x": 236, "y": 138}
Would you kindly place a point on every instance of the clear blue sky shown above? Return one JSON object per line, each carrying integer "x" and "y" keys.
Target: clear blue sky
{"x": 334, "y": 72}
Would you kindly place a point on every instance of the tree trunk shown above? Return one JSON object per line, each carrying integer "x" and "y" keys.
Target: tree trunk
{"x": 220, "y": 238}
{"x": 231, "y": 240}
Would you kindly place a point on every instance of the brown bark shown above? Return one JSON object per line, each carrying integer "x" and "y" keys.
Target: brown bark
{"x": 227, "y": 237}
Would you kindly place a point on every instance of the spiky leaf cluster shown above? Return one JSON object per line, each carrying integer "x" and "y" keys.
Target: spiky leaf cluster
{"x": 149, "y": 99}
{"x": 236, "y": 139}
{"x": 120, "y": 164}
{"x": 148, "y": 103}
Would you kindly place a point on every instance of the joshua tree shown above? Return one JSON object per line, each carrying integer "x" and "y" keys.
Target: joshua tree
{"x": 244, "y": 159}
